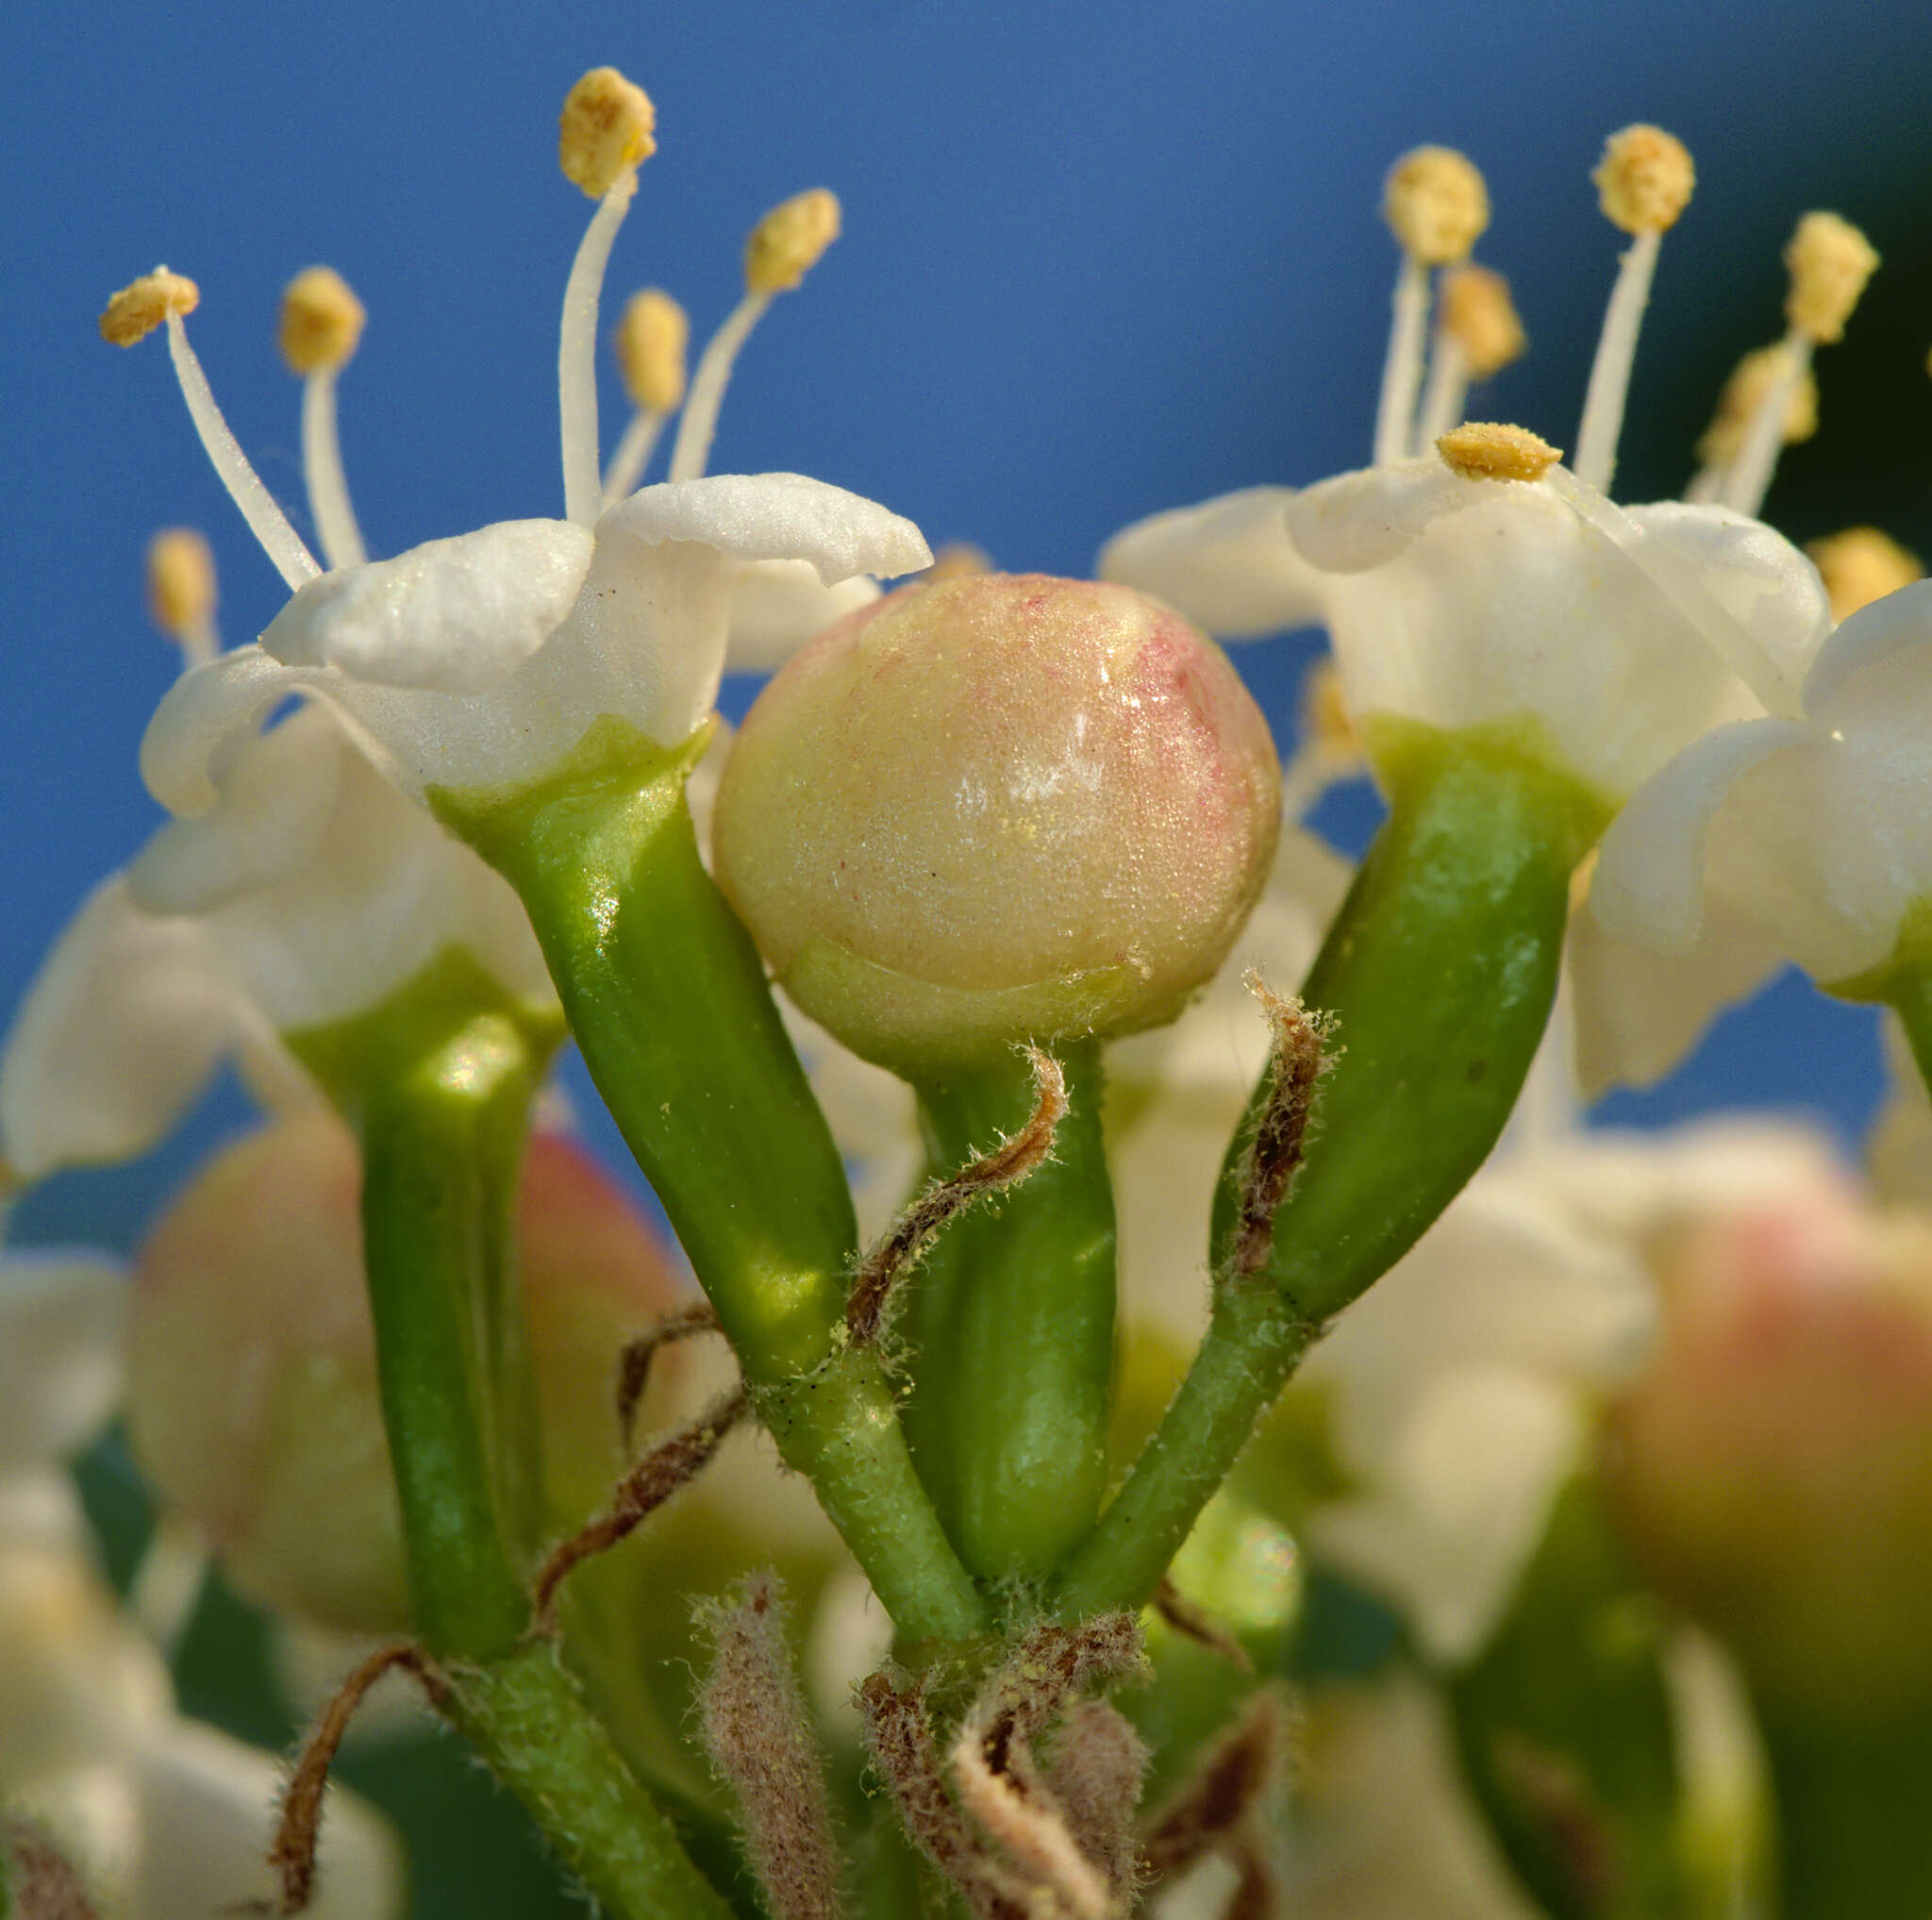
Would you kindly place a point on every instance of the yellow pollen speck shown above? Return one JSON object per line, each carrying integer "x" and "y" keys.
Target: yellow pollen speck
{"x": 1485, "y": 451}
{"x": 787, "y": 244}
{"x": 1478, "y": 314}
{"x": 1644, "y": 180}
{"x": 1861, "y": 565}
{"x": 1829, "y": 262}
{"x": 1436, "y": 204}
{"x": 135, "y": 311}
{"x": 650, "y": 341}
{"x": 1749, "y": 381}
{"x": 955, "y": 560}
{"x": 1325, "y": 719}
{"x": 609, "y": 125}
{"x": 321, "y": 321}
{"x": 180, "y": 581}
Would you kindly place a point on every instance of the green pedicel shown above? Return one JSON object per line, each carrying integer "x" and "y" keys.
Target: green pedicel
{"x": 1439, "y": 970}
{"x": 667, "y": 1001}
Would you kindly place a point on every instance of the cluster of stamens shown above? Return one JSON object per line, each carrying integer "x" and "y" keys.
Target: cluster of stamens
{"x": 607, "y": 131}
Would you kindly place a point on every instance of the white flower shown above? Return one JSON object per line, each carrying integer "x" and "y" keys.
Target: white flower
{"x": 1809, "y": 835}
{"x": 310, "y": 893}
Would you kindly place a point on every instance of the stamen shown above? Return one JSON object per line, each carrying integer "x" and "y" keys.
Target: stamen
{"x": 1829, "y": 262}
{"x": 650, "y": 341}
{"x": 1723, "y": 438}
{"x": 782, "y": 249}
{"x": 1483, "y": 450}
{"x": 1327, "y": 747}
{"x": 1643, "y": 182}
{"x": 137, "y": 310}
{"x": 607, "y": 131}
{"x": 321, "y": 326}
{"x": 1437, "y": 206}
{"x": 1477, "y": 334}
{"x": 1860, "y": 565}
{"x": 181, "y": 591}
{"x": 956, "y": 559}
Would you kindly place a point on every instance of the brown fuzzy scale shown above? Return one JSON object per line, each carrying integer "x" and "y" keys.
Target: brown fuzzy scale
{"x": 37, "y": 1879}
{"x": 899, "y": 1250}
{"x": 1295, "y": 1062}
{"x": 668, "y": 1467}
{"x": 760, "y": 1737}
{"x": 1193, "y": 1622}
{"x": 634, "y": 1364}
{"x": 1217, "y": 1808}
{"x": 1095, "y": 1766}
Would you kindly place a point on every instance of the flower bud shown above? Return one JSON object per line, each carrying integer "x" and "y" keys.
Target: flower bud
{"x": 253, "y": 1404}
{"x": 997, "y": 808}
{"x": 1774, "y": 1466}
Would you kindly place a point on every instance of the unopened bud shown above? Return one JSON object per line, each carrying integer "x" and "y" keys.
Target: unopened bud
{"x": 1644, "y": 180}
{"x": 1829, "y": 262}
{"x": 1485, "y": 451}
{"x": 1774, "y": 1466}
{"x": 995, "y": 808}
{"x": 321, "y": 321}
{"x": 180, "y": 581}
{"x": 608, "y": 127}
{"x": 1750, "y": 380}
{"x": 789, "y": 241}
{"x": 1861, "y": 565}
{"x": 136, "y": 311}
{"x": 650, "y": 339}
{"x": 1437, "y": 205}
{"x": 1479, "y": 316}
{"x": 252, "y": 1394}
{"x": 956, "y": 561}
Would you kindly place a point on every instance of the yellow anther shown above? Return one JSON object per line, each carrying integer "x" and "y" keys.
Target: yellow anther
{"x": 321, "y": 321}
{"x": 787, "y": 244}
{"x": 135, "y": 311}
{"x": 1829, "y": 262}
{"x": 609, "y": 125}
{"x": 1436, "y": 204}
{"x": 1485, "y": 451}
{"x": 180, "y": 581}
{"x": 1479, "y": 316}
{"x": 1749, "y": 382}
{"x": 1326, "y": 722}
{"x": 1644, "y": 180}
{"x": 1861, "y": 565}
{"x": 650, "y": 339}
{"x": 955, "y": 558}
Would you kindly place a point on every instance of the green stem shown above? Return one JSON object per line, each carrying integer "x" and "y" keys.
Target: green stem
{"x": 1011, "y": 1321}
{"x": 667, "y": 1001}
{"x": 529, "y": 1719}
{"x": 437, "y": 1083}
{"x": 1853, "y": 1835}
{"x": 1439, "y": 970}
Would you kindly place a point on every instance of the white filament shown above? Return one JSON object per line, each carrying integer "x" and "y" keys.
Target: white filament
{"x": 1402, "y": 372}
{"x": 633, "y": 454}
{"x": 1748, "y": 478}
{"x": 322, "y": 469}
{"x": 266, "y": 521}
{"x": 1609, "y": 374}
{"x": 576, "y": 354}
{"x": 699, "y": 426}
{"x": 168, "y": 1582}
{"x": 1443, "y": 397}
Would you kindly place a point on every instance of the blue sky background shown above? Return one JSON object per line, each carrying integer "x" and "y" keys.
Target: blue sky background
{"x": 1098, "y": 260}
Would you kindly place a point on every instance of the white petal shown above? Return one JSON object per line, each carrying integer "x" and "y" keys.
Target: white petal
{"x": 119, "y": 1032}
{"x": 777, "y": 606}
{"x": 207, "y": 1810}
{"x": 1637, "y": 1013}
{"x": 1227, "y": 564}
{"x": 183, "y": 754}
{"x": 1764, "y": 582}
{"x": 1649, "y": 884}
{"x": 61, "y": 1316}
{"x": 774, "y": 516}
{"x": 273, "y": 806}
{"x": 1463, "y": 1506}
{"x": 1365, "y": 519}
{"x": 1877, "y": 633}
{"x": 458, "y": 615}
